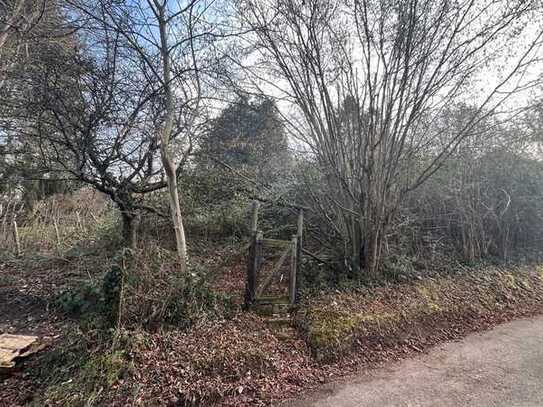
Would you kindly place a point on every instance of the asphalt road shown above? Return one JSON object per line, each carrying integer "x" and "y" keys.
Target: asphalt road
{"x": 501, "y": 367}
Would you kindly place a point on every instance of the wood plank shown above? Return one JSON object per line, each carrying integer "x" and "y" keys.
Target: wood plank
{"x": 15, "y": 346}
{"x": 18, "y": 250}
{"x": 276, "y": 243}
{"x": 253, "y": 260}
{"x": 299, "y": 246}
{"x": 13, "y": 342}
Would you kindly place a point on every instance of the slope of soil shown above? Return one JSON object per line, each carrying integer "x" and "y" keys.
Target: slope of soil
{"x": 244, "y": 361}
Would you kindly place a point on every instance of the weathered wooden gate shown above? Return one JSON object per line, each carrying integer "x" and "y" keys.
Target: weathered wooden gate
{"x": 262, "y": 274}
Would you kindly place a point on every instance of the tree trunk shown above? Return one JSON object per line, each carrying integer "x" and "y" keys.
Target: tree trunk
{"x": 373, "y": 245}
{"x": 175, "y": 209}
{"x": 130, "y": 229}
{"x": 165, "y": 138}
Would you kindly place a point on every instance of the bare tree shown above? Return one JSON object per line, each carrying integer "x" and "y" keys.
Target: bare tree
{"x": 170, "y": 40}
{"x": 368, "y": 76}
{"x": 164, "y": 15}
{"x": 89, "y": 118}
{"x": 20, "y": 23}
{"x": 31, "y": 33}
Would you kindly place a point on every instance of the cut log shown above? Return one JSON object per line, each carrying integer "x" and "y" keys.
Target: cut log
{"x": 17, "y": 346}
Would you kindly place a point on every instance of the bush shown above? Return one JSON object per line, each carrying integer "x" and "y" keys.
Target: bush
{"x": 196, "y": 300}
{"x": 228, "y": 219}
{"x": 83, "y": 299}
{"x": 155, "y": 292}
{"x": 147, "y": 289}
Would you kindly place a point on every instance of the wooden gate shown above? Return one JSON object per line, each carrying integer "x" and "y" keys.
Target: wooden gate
{"x": 272, "y": 264}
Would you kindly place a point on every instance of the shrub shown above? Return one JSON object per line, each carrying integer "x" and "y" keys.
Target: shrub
{"x": 83, "y": 299}
{"x": 155, "y": 292}
{"x": 227, "y": 219}
{"x": 195, "y": 300}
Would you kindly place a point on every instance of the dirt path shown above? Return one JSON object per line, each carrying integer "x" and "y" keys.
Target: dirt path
{"x": 501, "y": 367}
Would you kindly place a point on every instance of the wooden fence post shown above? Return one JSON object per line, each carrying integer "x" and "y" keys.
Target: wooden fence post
{"x": 252, "y": 268}
{"x": 299, "y": 246}
{"x": 16, "y": 238}
{"x": 57, "y": 234}
{"x": 293, "y": 267}
{"x": 254, "y": 217}
{"x": 253, "y": 257}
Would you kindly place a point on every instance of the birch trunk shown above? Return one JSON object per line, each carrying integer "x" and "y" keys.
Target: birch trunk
{"x": 165, "y": 137}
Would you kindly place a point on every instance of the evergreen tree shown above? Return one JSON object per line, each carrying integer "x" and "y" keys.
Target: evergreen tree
{"x": 249, "y": 136}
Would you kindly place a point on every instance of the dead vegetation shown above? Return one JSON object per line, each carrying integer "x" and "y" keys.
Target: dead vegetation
{"x": 242, "y": 360}
{"x": 336, "y": 324}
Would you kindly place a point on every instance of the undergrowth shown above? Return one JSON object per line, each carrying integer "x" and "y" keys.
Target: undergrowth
{"x": 85, "y": 370}
{"x": 147, "y": 289}
{"x": 335, "y": 324}
{"x": 241, "y": 361}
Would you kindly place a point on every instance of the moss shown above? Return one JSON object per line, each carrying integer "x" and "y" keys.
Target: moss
{"x": 335, "y": 323}
{"x": 431, "y": 297}
{"x": 329, "y": 327}
{"x": 107, "y": 368}
{"x": 539, "y": 271}
{"x": 434, "y": 307}
{"x": 424, "y": 292}
{"x": 332, "y": 332}
{"x": 510, "y": 280}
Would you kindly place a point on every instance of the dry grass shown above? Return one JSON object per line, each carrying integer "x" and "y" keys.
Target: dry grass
{"x": 57, "y": 224}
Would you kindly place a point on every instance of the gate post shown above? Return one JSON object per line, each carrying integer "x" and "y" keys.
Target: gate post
{"x": 252, "y": 260}
{"x": 293, "y": 267}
